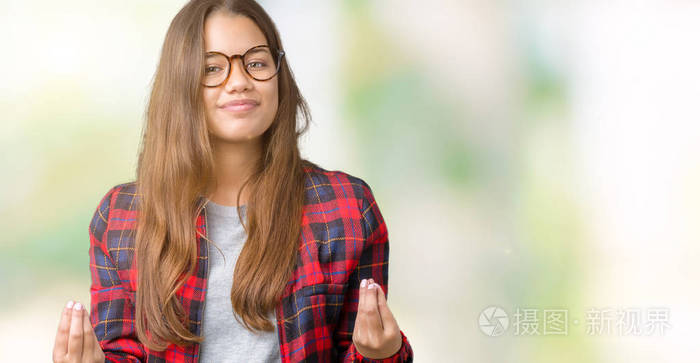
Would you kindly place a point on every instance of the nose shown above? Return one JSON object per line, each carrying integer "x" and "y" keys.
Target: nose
{"x": 238, "y": 80}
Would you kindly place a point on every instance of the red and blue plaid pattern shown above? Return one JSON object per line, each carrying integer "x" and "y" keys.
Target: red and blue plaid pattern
{"x": 343, "y": 240}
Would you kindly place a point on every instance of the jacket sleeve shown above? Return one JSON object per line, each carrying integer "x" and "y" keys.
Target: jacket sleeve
{"x": 373, "y": 263}
{"x": 111, "y": 309}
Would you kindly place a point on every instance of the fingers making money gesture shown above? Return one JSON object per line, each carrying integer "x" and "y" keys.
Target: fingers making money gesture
{"x": 376, "y": 334}
{"x": 75, "y": 340}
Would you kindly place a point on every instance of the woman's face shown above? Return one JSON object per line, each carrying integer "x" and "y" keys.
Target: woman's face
{"x": 234, "y": 34}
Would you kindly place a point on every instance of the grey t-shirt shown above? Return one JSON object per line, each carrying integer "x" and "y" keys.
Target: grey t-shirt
{"x": 225, "y": 340}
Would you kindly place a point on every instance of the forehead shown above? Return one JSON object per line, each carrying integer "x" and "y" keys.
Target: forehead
{"x": 231, "y": 34}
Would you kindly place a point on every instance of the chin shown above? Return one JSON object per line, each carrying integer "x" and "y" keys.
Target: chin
{"x": 237, "y": 129}
{"x": 235, "y": 137}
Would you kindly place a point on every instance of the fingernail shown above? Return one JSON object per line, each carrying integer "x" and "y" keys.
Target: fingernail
{"x": 69, "y": 304}
{"x": 363, "y": 283}
{"x": 77, "y": 306}
{"x": 372, "y": 286}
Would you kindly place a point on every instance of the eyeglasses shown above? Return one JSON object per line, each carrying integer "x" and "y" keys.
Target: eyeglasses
{"x": 259, "y": 62}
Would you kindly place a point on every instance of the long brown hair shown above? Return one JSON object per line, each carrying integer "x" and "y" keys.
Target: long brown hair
{"x": 176, "y": 168}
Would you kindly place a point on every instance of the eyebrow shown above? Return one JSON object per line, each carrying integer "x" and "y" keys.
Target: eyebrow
{"x": 220, "y": 51}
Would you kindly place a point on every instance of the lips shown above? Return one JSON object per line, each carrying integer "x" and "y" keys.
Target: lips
{"x": 245, "y": 104}
{"x": 244, "y": 101}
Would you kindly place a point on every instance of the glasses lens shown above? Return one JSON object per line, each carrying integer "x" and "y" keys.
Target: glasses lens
{"x": 215, "y": 69}
{"x": 260, "y": 63}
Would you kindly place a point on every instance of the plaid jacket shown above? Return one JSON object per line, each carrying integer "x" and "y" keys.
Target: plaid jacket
{"x": 343, "y": 240}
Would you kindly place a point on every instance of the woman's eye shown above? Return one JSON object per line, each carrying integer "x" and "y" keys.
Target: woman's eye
{"x": 211, "y": 69}
{"x": 260, "y": 64}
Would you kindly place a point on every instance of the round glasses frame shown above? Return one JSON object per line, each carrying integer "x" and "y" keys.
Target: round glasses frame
{"x": 280, "y": 54}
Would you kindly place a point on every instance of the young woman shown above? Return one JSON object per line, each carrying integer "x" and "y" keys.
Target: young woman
{"x": 299, "y": 271}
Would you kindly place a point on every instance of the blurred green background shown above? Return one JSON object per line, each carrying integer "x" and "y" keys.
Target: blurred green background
{"x": 525, "y": 155}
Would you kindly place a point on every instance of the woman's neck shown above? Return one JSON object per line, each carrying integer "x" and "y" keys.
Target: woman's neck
{"x": 233, "y": 164}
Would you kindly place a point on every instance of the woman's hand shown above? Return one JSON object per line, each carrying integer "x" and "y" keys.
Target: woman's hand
{"x": 75, "y": 340}
{"x": 376, "y": 333}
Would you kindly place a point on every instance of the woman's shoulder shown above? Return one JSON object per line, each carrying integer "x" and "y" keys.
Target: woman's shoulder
{"x": 324, "y": 184}
{"x": 116, "y": 210}
{"x": 121, "y": 196}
